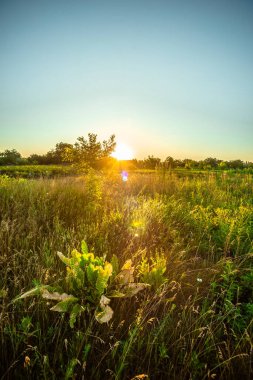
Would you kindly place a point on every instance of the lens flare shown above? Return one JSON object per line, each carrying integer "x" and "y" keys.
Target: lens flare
{"x": 124, "y": 176}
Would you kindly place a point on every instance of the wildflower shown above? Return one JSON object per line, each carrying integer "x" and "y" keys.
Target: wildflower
{"x": 140, "y": 377}
{"x": 27, "y": 362}
{"x": 199, "y": 279}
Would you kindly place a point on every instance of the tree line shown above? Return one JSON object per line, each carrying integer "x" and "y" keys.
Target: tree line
{"x": 91, "y": 153}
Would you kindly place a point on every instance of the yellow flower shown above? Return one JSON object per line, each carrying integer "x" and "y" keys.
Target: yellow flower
{"x": 76, "y": 255}
{"x": 107, "y": 269}
{"x": 127, "y": 265}
{"x": 140, "y": 377}
{"x": 27, "y": 362}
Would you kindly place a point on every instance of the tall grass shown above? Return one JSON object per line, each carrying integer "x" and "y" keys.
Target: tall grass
{"x": 190, "y": 237}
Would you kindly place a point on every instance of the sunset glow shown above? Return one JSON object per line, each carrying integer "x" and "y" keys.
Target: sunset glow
{"x": 168, "y": 78}
{"x": 123, "y": 152}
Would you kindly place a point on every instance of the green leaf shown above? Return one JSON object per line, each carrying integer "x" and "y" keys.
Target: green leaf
{"x": 63, "y": 258}
{"x": 103, "y": 276}
{"x": 55, "y": 295}
{"x": 3, "y": 293}
{"x": 64, "y": 306}
{"x": 76, "y": 310}
{"x": 86, "y": 351}
{"x": 32, "y": 292}
{"x": 133, "y": 288}
{"x": 84, "y": 247}
{"x": 92, "y": 274}
{"x": 115, "y": 264}
{"x": 25, "y": 324}
{"x": 70, "y": 369}
{"x": 116, "y": 294}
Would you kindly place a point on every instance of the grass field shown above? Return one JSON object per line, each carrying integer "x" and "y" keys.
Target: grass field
{"x": 35, "y": 171}
{"x": 190, "y": 242}
{"x": 56, "y": 171}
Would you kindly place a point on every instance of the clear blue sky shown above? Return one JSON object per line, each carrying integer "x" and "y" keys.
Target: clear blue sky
{"x": 167, "y": 77}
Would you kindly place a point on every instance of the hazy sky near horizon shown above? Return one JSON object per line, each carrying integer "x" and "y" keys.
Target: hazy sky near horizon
{"x": 168, "y": 78}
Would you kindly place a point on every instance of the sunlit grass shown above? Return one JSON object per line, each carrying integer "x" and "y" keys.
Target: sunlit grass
{"x": 189, "y": 238}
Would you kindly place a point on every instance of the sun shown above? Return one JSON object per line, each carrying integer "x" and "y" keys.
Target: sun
{"x": 123, "y": 152}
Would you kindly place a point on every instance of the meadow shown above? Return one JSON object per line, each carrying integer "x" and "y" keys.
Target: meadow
{"x": 36, "y": 171}
{"x": 171, "y": 253}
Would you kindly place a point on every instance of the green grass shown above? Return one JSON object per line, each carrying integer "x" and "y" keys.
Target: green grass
{"x": 189, "y": 237}
{"x": 54, "y": 171}
{"x": 35, "y": 171}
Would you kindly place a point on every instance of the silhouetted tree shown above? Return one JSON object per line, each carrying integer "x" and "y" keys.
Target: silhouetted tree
{"x": 91, "y": 153}
{"x": 152, "y": 162}
{"x": 169, "y": 162}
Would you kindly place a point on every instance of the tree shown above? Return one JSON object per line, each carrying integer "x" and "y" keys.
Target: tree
{"x": 38, "y": 159}
{"x": 169, "y": 162}
{"x": 139, "y": 164}
{"x": 190, "y": 164}
{"x": 210, "y": 163}
{"x": 60, "y": 154}
{"x": 178, "y": 164}
{"x": 10, "y": 157}
{"x": 236, "y": 164}
{"x": 152, "y": 162}
{"x": 91, "y": 153}
{"x": 223, "y": 165}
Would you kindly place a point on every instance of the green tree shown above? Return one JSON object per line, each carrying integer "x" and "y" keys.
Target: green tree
{"x": 10, "y": 157}
{"x": 91, "y": 153}
{"x": 169, "y": 162}
{"x": 60, "y": 154}
{"x": 41, "y": 159}
{"x": 152, "y": 162}
{"x": 210, "y": 163}
{"x": 223, "y": 165}
{"x": 236, "y": 164}
{"x": 178, "y": 164}
{"x": 190, "y": 164}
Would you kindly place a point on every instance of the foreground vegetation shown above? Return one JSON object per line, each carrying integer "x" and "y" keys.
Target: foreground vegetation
{"x": 190, "y": 243}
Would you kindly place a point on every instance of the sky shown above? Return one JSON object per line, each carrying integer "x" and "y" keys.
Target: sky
{"x": 168, "y": 78}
